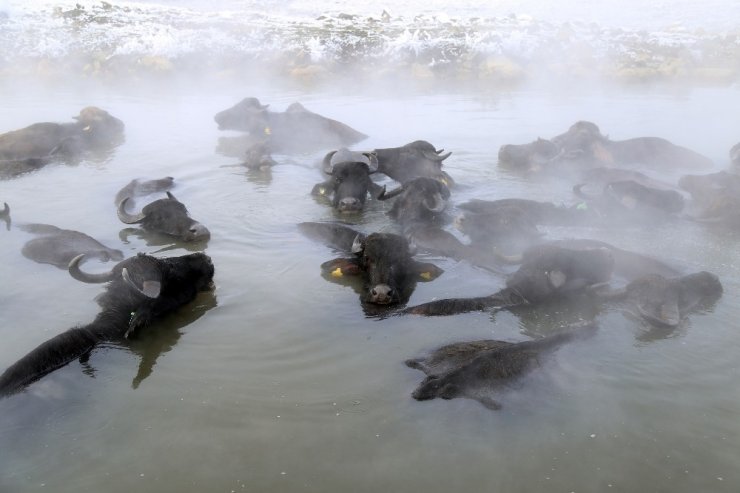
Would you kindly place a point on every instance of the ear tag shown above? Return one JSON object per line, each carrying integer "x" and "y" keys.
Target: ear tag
{"x": 322, "y": 191}
{"x": 444, "y": 182}
{"x": 426, "y": 276}
{"x": 87, "y": 129}
{"x": 337, "y": 272}
{"x": 268, "y": 131}
{"x": 557, "y": 278}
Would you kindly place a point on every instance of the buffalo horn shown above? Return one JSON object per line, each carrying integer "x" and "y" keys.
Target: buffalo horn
{"x": 126, "y": 217}
{"x": 326, "y": 164}
{"x": 357, "y": 245}
{"x": 172, "y": 197}
{"x": 151, "y": 289}
{"x": 75, "y": 272}
{"x": 389, "y": 195}
{"x": 373, "y": 161}
{"x": 6, "y": 210}
{"x": 581, "y": 194}
{"x": 432, "y": 156}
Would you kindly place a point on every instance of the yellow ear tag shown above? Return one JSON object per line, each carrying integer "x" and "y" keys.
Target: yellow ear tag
{"x": 445, "y": 182}
{"x": 426, "y": 275}
{"x": 268, "y": 131}
{"x": 322, "y": 191}
{"x": 337, "y": 272}
{"x": 86, "y": 129}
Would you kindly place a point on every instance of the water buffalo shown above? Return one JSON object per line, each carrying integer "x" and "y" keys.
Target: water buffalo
{"x": 294, "y": 130}
{"x": 383, "y": 261}
{"x": 58, "y": 247}
{"x": 349, "y": 179}
{"x": 140, "y": 188}
{"x": 419, "y": 209}
{"x": 168, "y": 216}
{"x": 665, "y": 302}
{"x": 715, "y": 197}
{"x": 34, "y": 146}
{"x": 507, "y": 226}
{"x": 547, "y": 272}
{"x": 632, "y": 201}
{"x": 735, "y": 155}
{"x": 415, "y": 159}
{"x": 475, "y": 369}
{"x": 141, "y": 289}
{"x": 583, "y": 145}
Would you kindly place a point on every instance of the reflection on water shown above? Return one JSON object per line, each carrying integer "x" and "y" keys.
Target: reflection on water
{"x": 285, "y": 384}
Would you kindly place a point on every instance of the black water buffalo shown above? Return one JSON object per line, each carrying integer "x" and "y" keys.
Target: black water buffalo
{"x": 294, "y": 130}
{"x": 547, "y": 272}
{"x": 415, "y": 159}
{"x": 34, "y": 146}
{"x": 58, "y": 247}
{"x": 715, "y": 197}
{"x": 665, "y": 302}
{"x": 383, "y": 261}
{"x": 140, "y": 188}
{"x": 168, "y": 216}
{"x": 632, "y": 201}
{"x": 419, "y": 209}
{"x": 141, "y": 289}
{"x": 476, "y": 369}
{"x": 583, "y": 145}
{"x": 349, "y": 179}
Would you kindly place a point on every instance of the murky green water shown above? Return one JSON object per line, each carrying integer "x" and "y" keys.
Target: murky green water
{"x": 278, "y": 382}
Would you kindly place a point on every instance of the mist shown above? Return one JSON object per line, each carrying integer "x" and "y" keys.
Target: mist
{"x": 281, "y": 380}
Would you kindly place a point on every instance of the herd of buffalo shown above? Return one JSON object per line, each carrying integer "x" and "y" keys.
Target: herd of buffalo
{"x": 502, "y": 236}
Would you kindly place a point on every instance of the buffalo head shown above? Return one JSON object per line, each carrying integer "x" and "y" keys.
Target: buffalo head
{"x": 387, "y": 267}
{"x": 248, "y": 115}
{"x": 349, "y": 180}
{"x": 415, "y": 159}
{"x": 420, "y": 200}
{"x": 528, "y": 157}
{"x": 168, "y": 216}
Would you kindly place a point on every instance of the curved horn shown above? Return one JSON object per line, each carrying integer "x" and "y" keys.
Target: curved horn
{"x": 357, "y": 245}
{"x": 170, "y": 196}
{"x": 75, "y": 272}
{"x": 125, "y": 216}
{"x": 326, "y": 163}
{"x": 581, "y": 194}
{"x": 439, "y": 203}
{"x": 389, "y": 195}
{"x": 373, "y": 158}
{"x": 433, "y": 156}
{"x": 6, "y": 210}
{"x": 151, "y": 289}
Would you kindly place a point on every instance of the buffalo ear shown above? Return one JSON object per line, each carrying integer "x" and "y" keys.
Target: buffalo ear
{"x": 426, "y": 271}
{"x": 557, "y": 278}
{"x": 340, "y": 267}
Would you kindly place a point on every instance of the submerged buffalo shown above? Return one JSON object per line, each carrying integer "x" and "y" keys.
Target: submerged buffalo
{"x": 294, "y": 130}
{"x": 167, "y": 216}
{"x": 349, "y": 179}
{"x": 547, "y": 272}
{"x": 382, "y": 261}
{"x": 58, "y": 247}
{"x": 631, "y": 201}
{"x": 476, "y": 369}
{"x": 665, "y": 302}
{"x": 583, "y": 145}
{"x": 413, "y": 160}
{"x": 141, "y": 290}
{"x": 36, "y": 145}
{"x": 419, "y": 209}
{"x": 715, "y": 197}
